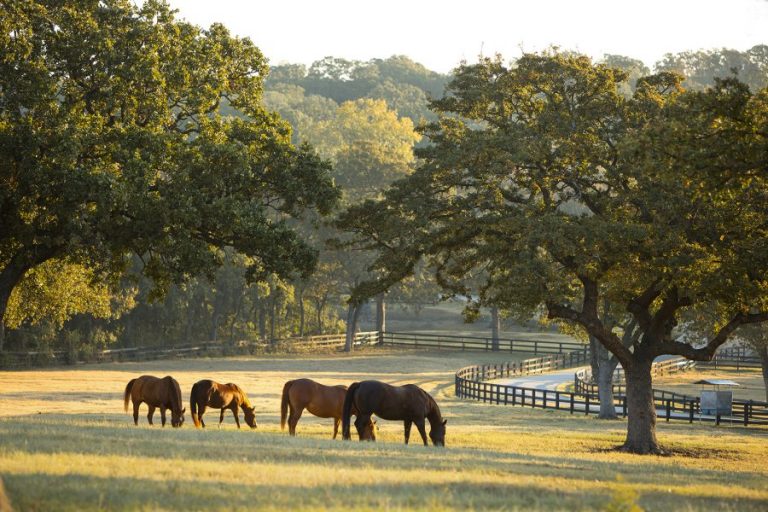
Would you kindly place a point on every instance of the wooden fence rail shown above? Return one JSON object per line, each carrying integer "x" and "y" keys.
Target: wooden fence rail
{"x": 453, "y": 342}
{"x": 11, "y": 360}
{"x": 471, "y": 383}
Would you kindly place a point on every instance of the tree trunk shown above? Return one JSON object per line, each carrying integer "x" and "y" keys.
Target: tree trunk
{"x": 495, "y": 328}
{"x": 353, "y": 312}
{"x": 605, "y": 387}
{"x": 595, "y": 347}
{"x": 381, "y": 317}
{"x": 641, "y": 412}
{"x": 763, "y": 353}
{"x": 262, "y": 321}
{"x": 301, "y": 313}
{"x": 272, "y": 308}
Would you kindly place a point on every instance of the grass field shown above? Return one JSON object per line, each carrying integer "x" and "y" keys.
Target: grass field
{"x": 65, "y": 444}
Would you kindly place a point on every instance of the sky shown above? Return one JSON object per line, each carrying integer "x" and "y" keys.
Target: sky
{"x": 440, "y": 34}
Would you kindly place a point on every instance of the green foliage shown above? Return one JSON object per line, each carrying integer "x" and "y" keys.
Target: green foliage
{"x": 57, "y": 290}
{"x": 111, "y": 142}
{"x": 554, "y": 190}
{"x": 701, "y": 68}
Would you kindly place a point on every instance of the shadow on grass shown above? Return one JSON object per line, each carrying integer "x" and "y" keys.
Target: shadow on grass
{"x": 41, "y": 491}
{"x": 188, "y": 445}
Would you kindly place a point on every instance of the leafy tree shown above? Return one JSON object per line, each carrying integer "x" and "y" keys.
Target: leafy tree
{"x": 55, "y": 291}
{"x": 702, "y": 68}
{"x": 369, "y": 146}
{"x": 673, "y": 184}
{"x": 111, "y": 143}
{"x": 405, "y": 99}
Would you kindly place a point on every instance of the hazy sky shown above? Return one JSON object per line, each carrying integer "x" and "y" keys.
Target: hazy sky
{"x": 439, "y": 34}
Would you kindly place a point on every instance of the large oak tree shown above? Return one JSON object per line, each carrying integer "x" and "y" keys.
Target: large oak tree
{"x": 569, "y": 195}
{"x": 111, "y": 142}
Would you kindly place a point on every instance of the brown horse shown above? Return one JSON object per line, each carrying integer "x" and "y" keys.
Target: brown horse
{"x": 164, "y": 393}
{"x": 207, "y": 393}
{"x": 408, "y": 403}
{"x": 320, "y": 400}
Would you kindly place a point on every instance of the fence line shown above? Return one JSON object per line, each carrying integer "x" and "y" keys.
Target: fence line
{"x": 455, "y": 342}
{"x": 471, "y": 383}
{"x": 583, "y": 381}
{"x": 210, "y": 348}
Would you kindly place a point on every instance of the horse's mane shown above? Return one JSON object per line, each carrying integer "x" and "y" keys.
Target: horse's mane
{"x": 433, "y": 415}
{"x": 246, "y": 402}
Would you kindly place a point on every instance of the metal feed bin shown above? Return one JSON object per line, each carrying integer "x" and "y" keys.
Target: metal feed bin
{"x": 716, "y": 402}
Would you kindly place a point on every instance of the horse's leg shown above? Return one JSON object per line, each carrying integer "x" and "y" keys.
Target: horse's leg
{"x": 293, "y": 420}
{"x": 408, "y": 424}
{"x": 150, "y": 413}
{"x": 221, "y": 417}
{"x": 162, "y": 415}
{"x": 420, "y": 425}
{"x": 336, "y": 423}
{"x": 234, "y": 413}
{"x": 200, "y": 411}
{"x": 136, "y": 413}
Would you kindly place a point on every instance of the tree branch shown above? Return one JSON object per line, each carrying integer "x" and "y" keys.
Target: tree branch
{"x": 707, "y": 352}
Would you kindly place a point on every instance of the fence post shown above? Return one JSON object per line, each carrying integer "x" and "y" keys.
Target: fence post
{"x": 668, "y": 411}
{"x": 557, "y": 400}
{"x": 747, "y": 412}
{"x": 717, "y": 420}
{"x": 624, "y": 400}
{"x": 572, "y": 395}
{"x": 535, "y": 347}
{"x": 506, "y": 395}
{"x": 690, "y": 414}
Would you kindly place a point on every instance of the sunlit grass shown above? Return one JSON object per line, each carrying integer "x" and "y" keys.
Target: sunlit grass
{"x": 91, "y": 457}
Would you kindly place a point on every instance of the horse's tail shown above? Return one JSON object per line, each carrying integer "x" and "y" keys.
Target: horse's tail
{"x": 284, "y": 404}
{"x": 346, "y": 412}
{"x": 127, "y": 394}
{"x": 193, "y": 404}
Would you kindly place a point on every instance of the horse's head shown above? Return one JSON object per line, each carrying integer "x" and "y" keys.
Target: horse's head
{"x": 366, "y": 430}
{"x": 177, "y": 419}
{"x": 250, "y": 416}
{"x": 437, "y": 433}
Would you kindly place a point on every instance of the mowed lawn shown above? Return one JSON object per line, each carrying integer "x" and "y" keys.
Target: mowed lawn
{"x": 66, "y": 444}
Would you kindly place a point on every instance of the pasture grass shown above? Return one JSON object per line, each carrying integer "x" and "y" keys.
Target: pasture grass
{"x": 65, "y": 444}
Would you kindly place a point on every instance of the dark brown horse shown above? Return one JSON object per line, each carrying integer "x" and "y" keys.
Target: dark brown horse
{"x": 408, "y": 403}
{"x": 207, "y": 393}
{"x": 164, "y": 393}
{"x": 320, "y": 400}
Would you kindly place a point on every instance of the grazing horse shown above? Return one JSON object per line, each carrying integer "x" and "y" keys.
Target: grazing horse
{"x": 408, "y": 403}
{"x": 164, "y": 393}
{"x": 207, "y": 393}
{"x": 320, "y": 400}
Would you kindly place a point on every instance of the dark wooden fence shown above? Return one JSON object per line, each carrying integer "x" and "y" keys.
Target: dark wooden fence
{"x": 471, "y": 382}
{"x": 583, "y": 381}
{"x": 453, "y": 342}
{"x": 12, "y": 360}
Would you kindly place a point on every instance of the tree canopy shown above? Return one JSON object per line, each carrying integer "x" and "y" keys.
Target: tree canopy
{"x": 111, "y": 143}
{"x": 564, "y": 193}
